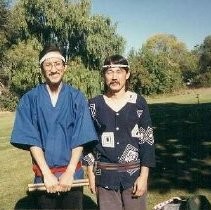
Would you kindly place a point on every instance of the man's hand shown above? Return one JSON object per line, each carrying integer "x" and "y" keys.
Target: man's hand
{"x": 140, "y": 187}
{"x": 51, "y": 183}
{"x": 65, "y": 182}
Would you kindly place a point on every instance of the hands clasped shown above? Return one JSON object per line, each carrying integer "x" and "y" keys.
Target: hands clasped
{"x": 61, "y": 184}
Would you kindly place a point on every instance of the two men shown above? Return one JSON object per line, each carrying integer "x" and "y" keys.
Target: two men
{"x": 125, "y": 152}
{"x": 53, "y": 122}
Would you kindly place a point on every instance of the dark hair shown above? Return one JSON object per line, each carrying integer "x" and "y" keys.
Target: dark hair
{"x": 115, "y": 59}
{"x": 50, "y": 48}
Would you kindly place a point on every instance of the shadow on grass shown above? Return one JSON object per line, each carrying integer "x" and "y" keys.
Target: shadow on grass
{"x": 183, "y": 146}
{"x": 183, "y": 150}
{"x": 29, "y": 202}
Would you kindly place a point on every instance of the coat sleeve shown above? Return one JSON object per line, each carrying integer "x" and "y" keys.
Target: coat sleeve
{"x": 84, "y": 131}
{"x": 24, "y": 133}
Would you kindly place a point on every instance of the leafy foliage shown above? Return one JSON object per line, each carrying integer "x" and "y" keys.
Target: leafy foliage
{"x": 203, "y": 80}
{"x": 89, "y": 82}
{"x": 102, "y": 41}
{"x": 205, "y": 58}
{"x": 140, "y": 78}
{"x": 4, "y": 15}
{"x": 70, "y": 24}
{"x": 83, "y": 37}
{"x": 22, "y": 66}
{"x": 8, "y": 100}
{"x": 161, "y": 64}
{"x": 202, "y": 54}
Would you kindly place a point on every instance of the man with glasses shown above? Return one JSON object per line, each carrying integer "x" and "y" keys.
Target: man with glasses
{"x": 53, "y": 122}
{"x": 125, "y": 152}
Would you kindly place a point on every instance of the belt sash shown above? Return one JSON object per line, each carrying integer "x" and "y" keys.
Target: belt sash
{"x": 121, "y": 167}
{"x": 54, "y": 170}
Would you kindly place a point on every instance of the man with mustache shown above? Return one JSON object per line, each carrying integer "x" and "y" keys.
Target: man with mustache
{"x": 53, "y": 122}
{"x": 125, "y": 151}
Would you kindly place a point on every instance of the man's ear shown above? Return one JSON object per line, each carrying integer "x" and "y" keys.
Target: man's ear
{"x": 128, "y": 75}
{"x": 42, "y": 71}
{"x": 65, "y": 66}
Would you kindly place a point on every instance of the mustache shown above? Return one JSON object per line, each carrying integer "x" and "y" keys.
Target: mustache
{"x": 114, "y": 82}
{"x": 53, "y": 73}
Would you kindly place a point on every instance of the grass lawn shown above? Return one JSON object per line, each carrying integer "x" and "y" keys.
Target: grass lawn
{"x": 182, "y": 128}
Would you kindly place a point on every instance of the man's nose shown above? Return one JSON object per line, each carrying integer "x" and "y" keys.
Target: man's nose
{"x": 53, "y": 68}
{"x": 114, "y": 75}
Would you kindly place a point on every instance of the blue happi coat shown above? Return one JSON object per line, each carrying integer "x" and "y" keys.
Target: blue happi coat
{"x": 57, "y": 130}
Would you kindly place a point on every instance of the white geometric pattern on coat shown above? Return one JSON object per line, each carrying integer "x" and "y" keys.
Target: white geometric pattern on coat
{"x": 93, "y": 110}
{"x": 89, "y": 158}
{"x": 135, "y": 132}
{"x": 146, "y": 135}
{"x": 139, "y": 113}
{"x": 132, "y": 97}
{"x": 130, "y": 154}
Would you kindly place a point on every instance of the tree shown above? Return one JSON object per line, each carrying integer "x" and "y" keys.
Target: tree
{"x": 205, "y": 57}
{"x": 102, "y": 41}
{"x": 160, "y": 63}
{"x": 17, "y": 30}
{"x": 70, "y": 24}
{"x": 88, "y": 81}
{"x": 4, "y": 15}
{"x": 21, "y": 64}
{"x": 190, "y": 67}
{"x": 140, "y": 78}
{"x": 204, "y": 78}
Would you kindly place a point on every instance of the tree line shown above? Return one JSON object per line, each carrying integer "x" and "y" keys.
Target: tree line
{"x": 163, "y": 64}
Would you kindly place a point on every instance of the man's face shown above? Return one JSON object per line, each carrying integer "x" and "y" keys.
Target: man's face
{"x": 53, "y": 70}
{"x": 115, "y": 78}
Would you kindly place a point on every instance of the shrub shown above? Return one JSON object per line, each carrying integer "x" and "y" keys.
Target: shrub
{"x": 203, "y": 80}
{"x": 8, "y": 100}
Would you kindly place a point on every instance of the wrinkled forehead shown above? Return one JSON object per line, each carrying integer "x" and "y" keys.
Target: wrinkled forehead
{"x": 51, "y": 56}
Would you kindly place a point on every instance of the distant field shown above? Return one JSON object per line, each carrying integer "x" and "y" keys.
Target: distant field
{"x": 183, "y": 151}
{"x": 190, "y": 96}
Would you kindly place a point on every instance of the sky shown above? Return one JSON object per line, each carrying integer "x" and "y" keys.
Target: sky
{"x": 138, "y": 20}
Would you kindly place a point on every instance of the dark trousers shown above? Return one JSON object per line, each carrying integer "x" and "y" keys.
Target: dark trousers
{"x": 119, "y": 200}
{"x": 72, "y": 200}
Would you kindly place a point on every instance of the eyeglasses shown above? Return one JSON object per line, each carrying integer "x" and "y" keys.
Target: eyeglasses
{"x": 49, "y": 65}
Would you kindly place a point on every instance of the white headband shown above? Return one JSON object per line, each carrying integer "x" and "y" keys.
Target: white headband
{"x": 52, "y": 55}
{"x": 116, "y": 66}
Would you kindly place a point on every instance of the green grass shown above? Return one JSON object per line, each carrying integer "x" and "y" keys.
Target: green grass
{"x": 189, "y": 96}
{"x": 182, "y": 130}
